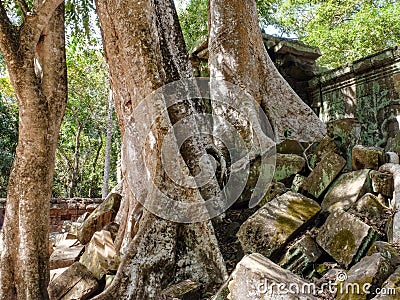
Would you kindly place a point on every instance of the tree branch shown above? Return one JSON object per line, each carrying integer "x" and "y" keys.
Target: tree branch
{"x": 7, "y": 32}
{"x": 23, "y": 6}
{"x": 37, "y": 20}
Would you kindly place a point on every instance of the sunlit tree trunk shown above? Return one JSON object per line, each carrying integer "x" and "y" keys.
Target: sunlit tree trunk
{"x": 42, "y": 95}
{"x": 238, "y": 55}
{"x": 145, "y": 50}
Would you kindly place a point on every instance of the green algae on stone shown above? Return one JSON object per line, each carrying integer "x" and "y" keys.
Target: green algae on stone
{"x": 345, "y": 237}
{"x": 288, "y": 165}
{"x": 275, "y": 224}
{"x": 323, "y": 175}
{"x": 301, "y": 256}
{"x": 346, "y": 190}
{"x": 364, "y": 278}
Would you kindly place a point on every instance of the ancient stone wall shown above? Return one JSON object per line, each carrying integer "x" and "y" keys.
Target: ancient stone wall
{"x": 62, "y": 209}
{"x": 367, "y": 89}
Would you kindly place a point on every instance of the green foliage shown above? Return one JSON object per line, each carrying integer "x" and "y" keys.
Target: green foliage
{"x": 8, "y": 132}
{"x": 194, "y": 19}
{"x": 343, "y": 30}
{"x": 81, "y": 144}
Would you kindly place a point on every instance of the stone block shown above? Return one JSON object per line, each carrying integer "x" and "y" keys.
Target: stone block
{"x": 371, "y": 209}
{"x": 364, "y": 278}
{"x": 345, "y": 237}
{"x": 288, "y": 165}
{"x": 346, "y": 190}
{"x": 386, "y": 250}
{"x": 274, "y": 190}
{"x": 256, "y": 277}
{"x": 391, "y": 287}
{"x": 345, "y": 133}
{"x": 100, "y": 217}
{"x": 74, "y": 283}
{"x": 301, "y": 256}
{"x": 317, "y": 151}
{"x": 382, "y": 183}
{"x": 367, "y": 157}
{"x": 65, "y": 254}
{"x": 100, "y": 256}
{"x": 273, "y": 225}
{"x": 184, "y": 290}
{"x": 323, "y": 174}
{"x": 290, "y": 147}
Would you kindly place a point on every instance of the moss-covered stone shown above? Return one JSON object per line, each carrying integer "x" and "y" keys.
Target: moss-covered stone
{"x": 345, "y": 191}
{"x": 382, "y": 183}
{"x": 274, "y": 190}
{"x": 345, "y": 237}
{"x": 273, "y": 225}
{"x": 290, "y": 147}
{"x": 184, "y": 290}
{"x": 288, "y": 165}
{"x": 371, "y": 209}
{"x": 256, "y": 277}
{"x": 323, "y": 174}
{"x": 386, "y": 250}
{"x": 100, "y": 217}
{"x": 391, "y": 287}
{"x": 301, "y": 256}
{"x": 367, "y": 157}
{"x": 364, "y": 278}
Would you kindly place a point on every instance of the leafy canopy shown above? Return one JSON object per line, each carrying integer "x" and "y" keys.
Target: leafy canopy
{"x": 343, "y": 30}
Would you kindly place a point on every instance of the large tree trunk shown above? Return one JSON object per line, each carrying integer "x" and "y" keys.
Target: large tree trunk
{"x": 238, "y": 55}
{"x": 42, "y": 95}
{"x": 145, "y": 50}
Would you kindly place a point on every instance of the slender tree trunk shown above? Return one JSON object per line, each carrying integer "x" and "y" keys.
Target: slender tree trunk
{"x": 24, "y": 271}
{"x": 238, "y": 55}
{"x": 145, "y": 50}
{"x": 107, "y": 159}
{"x": 75, "y": 170}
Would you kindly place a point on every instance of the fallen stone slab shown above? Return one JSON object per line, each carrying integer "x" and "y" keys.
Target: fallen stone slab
{"x": 394, "y": 231}
{"x": 288, "y": 165}
{"x": 345, "y": 237}
{"x": 387, "y": 251}
{"x": 290, "y": 147}
{"x": 390, "y": 289}
{"x": 345, "y": 133}
{"x": 274, "y": 190}
{"x": 318, "y": 150}
{"x": 273, "y": 225}
{"x": 323, "y": 174}
{"x": 256, "y": 277}
{"x": 301, "y": 256}
{"x": 76, "y": 283}
{"x": 56, "y": 272}
{"x": 367, "y": 157}
{"x": 65, "y": 254}
{"x": 100, "y": 256}
{"x": 364, "y": 278}
{"x": 184, "y": 290}
{"x": 371, "y": 209}
{"x": 100, "y": 217}
{"x": 346, "y": 190}
{"x": 382, "y": 183}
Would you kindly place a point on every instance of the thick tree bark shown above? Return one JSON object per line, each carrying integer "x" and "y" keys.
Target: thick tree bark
{"x": 24, "y": 271}
{"x": 238, "y": 55}
{"x": 145, "y": 50}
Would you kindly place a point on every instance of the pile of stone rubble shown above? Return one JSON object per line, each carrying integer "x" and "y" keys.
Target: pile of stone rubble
{"x": 327, "y": 228}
